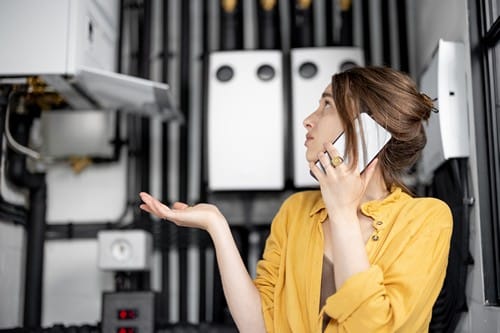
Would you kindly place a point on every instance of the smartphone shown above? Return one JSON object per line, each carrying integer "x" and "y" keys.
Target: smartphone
{"x": 374, "y": 138}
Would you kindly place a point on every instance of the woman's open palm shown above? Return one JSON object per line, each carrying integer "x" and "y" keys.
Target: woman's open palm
{"x": 199, "y": 216}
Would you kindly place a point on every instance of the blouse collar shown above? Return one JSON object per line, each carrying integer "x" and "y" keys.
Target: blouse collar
{"x": 369, "y": 208}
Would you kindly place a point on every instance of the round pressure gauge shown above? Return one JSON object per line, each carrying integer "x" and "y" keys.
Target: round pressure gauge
{"x": 121, "y": 250}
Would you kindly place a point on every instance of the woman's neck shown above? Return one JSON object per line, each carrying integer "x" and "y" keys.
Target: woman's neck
{"x": 376, "y": 188}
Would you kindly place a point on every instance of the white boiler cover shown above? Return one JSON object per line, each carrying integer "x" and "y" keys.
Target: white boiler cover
{"x": 245, "y": 121}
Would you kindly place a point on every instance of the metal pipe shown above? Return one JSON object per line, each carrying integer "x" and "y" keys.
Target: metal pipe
{"x": 19, "y": 175}
{"x": 303, "y": 26}
{"x": 268, "y": 25}
{"x": 231, "y": 25}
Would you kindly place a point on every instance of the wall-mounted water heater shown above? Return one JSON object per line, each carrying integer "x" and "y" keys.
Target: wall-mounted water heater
{"x": 312, "y": 70}
{"x": 71, "y": 46}
{"x": 246, "y": 121}
{"x": 448, "y": 130}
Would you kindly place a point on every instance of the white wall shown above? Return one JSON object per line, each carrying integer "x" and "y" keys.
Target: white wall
{"x": 449, "y": 20}
{"x": 433, "y": 20}
{"x": 72, "y": 283}
{"x": 12, "y": 239}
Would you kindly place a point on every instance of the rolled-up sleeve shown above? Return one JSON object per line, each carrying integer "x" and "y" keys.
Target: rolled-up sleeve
{"x": 395, "y": 298}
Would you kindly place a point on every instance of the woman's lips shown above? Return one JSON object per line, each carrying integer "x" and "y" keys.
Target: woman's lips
{"x": 308, "y": 139}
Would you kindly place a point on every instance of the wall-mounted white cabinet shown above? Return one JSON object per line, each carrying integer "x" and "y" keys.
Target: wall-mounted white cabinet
{"x": 447, "y": 130}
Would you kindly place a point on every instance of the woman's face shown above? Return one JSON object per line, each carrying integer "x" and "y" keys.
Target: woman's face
{"x": 323, "y": 125}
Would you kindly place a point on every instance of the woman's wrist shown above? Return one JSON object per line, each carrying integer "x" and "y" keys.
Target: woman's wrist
{"x": 218, "y": 226}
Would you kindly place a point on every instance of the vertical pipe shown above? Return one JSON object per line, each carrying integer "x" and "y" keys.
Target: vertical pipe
{"x": 284, "y": 12}
{"x": 319, "y": 21}
{"x": 403, "y": 36}
{"x": 386, "y": 31}
{"x": 329, "y": 22}
{"x": 144, "y": 72}
{"x": 376, "y": 37}
{"x": 35, "y": 255}
{"x": 346, "y": 30}
{"x": 213, "y": 19}
{"x": 366, "y": 32}
{"x": 303, "y": 33}
{"x": 268, "y": 24}
{"x": 145, "y": 40}
{"x": 231, "y": 25}
{"x": 394, "y": 34}
{"x": 250, "y": 26}
{"x": 185, "y": 52}
{"x": 173, "y": 23}
{"x": 119, "y": 54}
{"x": 156, "y": 171}
{"x": 19, "y": 175}
{"x": 174, "y": 164}
{"x": 164, "y": 299}
{"x": 357, "y": 17}
{"x": 194, "y": 151}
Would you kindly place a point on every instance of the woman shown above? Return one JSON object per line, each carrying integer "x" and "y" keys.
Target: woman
{"x": 359, "y": 255}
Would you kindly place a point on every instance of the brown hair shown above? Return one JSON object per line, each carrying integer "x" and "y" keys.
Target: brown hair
{"x": 393, "y": 100}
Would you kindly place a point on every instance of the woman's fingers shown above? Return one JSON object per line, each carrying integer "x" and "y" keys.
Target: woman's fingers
{"x": 315, "y": 170}
{"x": 163, "y": 210}
{"x": 153, "y": 206}
{"x": 325, "y": 162}
{"x": 336, "y": 160}
{"x": 146, "y": 208}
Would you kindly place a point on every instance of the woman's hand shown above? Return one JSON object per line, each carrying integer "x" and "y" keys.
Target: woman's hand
{"x": 342, "y": 188}
{"x": 241, "y": 293}
{"x": 202, "y": 216}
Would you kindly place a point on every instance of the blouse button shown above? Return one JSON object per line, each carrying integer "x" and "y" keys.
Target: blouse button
{"x": 375, "y": 237}
{"x": 380, "y": 222}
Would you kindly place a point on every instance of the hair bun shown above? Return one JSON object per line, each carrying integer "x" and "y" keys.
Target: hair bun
{"x": 428, "y": 106}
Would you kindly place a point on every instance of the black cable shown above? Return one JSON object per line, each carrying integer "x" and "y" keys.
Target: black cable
{"x": 493, "y": 34}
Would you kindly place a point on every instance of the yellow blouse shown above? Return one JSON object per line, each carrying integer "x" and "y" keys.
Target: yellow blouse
{"x": 408, "y": 252}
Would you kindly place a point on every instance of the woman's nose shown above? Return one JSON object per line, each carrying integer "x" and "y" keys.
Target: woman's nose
{"x": 308, "y": 121}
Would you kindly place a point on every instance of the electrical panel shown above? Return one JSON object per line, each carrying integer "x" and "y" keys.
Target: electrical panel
{"x": 125, "y": 250}
{"x": 128, "y": 312}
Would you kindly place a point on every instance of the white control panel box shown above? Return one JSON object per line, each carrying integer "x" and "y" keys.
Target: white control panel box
{"x": 246, "y": 121}
{"x": 125, "y": 250}
{"x": 448, "y": 130}
{"x": 312, "y": 70}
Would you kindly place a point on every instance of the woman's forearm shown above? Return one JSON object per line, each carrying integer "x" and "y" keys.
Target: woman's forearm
{"x": 242, "y": 295}
{"x": 349, "y": 253}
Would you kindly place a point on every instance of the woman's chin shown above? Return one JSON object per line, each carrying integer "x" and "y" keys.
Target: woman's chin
{"x": 311, "y": 157}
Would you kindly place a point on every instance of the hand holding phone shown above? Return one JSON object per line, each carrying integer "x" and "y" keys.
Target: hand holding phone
{"x": 374, "y": 138}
